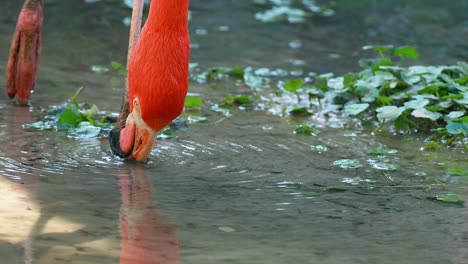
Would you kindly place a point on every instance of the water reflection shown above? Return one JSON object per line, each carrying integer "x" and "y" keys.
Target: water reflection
{"x": 147, "y": 237}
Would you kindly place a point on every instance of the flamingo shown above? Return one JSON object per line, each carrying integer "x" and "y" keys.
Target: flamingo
{"x": 25, "y": 52}
{"x": 157, "y": 72}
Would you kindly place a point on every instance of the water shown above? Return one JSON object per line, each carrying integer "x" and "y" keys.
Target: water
{"x": 242, "y": 189}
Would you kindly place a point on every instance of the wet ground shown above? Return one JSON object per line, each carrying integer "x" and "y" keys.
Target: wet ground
{"x": 243, "y": 189}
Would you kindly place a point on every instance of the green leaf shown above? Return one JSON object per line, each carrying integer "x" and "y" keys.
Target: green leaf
{"x": 384, "y": 100}
{"x": 193, "y": 102}
{"x": 450, "y": 198}
{"x": 236, "y": 72}
{"x": 431, "y": 144}
{"x": 431, "y": 89}
{"x": 167, "y": 133}
{"x": 375, "y": 64}
{"x": 355, "y": 109}
{"x": 457, "y": 172}
{"x": 382, "y": 151}
{"x": 118, "y": 66}
{"x": 304, "y": 129}
{"x": 293, "y": 85}
{"x": 381, "y": 49}
{"x": 406, "y": 52}
{"x": 243, "y": 100}
{"x": 300, "y": 111}
{"x": 70, "y": 117}
{"x": 453, "y": 96}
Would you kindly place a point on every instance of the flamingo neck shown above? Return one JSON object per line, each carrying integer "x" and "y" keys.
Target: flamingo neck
{"x": 33, "y": 4}
{"x": 169, "y": 14}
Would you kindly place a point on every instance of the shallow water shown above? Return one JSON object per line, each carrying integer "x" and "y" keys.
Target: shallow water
{"x": 242, "y": 189}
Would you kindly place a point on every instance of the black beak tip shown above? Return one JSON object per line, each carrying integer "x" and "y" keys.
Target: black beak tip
{"x": 114, "y": 141}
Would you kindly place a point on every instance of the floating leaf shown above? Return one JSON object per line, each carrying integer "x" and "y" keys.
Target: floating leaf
{"x": 455, "y": 114}
{"x": 304, "y": 129}
{"x": 382, "y": 151}
{"x": 226, "y": 229}
{"x": 118, "y": 66}
{"x": 355, "y": 109}
{"x": 216, "y": 108}
{"x": 389, "y": 113}
{"x": 300, "y": 111}
{"x": 319, "y": 148}
{"x": 378, "y": 48}
{"x": 456, "y": 128}
{"x": 279, "y": 13}
{"x": 347, "y": 163}
{"x": 450, "y": 198}
{"x": 431, "y": 144}
{"x": 424, "y": 113}
{"x": 70, "y": 117}
{"x": 40, "y": 125}
{"x": 193, "y": 102}
{"x": 386, "y": 166}
{"x": 84, "y": 130}
{"x": 253, "y": 81}
{"x": 293, "y": 85}
{"x": 457, "y": 172}
{"x": 406, "y": 52}
{"x": 416, "y": 104}
{"x": 99, "y": 69}
{"x": 196, "y": 119}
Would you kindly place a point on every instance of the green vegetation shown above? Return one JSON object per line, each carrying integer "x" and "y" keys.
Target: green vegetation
{"x": 431, "y": 100}
{"x": 78, "y": 120}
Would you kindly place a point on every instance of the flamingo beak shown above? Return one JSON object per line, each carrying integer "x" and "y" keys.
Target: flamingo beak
{"x": 135, "y": 140}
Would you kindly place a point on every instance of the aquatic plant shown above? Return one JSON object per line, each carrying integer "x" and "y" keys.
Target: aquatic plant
{"x": 416, "y": 99}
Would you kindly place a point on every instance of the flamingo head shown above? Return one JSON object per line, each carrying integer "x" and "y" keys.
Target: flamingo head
{"x": 136, "y": 139}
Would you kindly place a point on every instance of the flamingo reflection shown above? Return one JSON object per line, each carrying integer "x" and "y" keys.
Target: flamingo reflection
{"x": 147, "y": 238}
